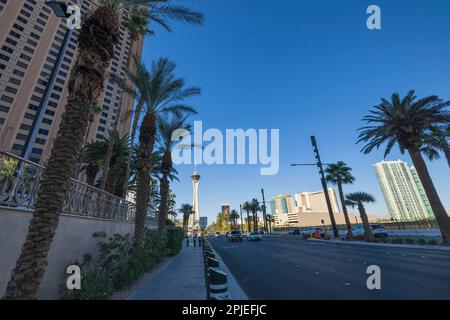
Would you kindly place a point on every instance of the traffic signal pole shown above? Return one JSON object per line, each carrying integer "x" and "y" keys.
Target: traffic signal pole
{"x": 324, "y": 186}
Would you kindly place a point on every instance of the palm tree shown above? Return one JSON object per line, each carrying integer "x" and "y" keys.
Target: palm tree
{"x": 166, "y": 95}
{"x": 436, "y": 140}
{"x": 234, "y": 215}
{"x": 404, "y": 122}
{"x": 93, "y": 157}
{"x": 137, "y": 22}
{"x": 270, "y": 220}
{"x": 168, "y": 128}
{"x": 95, "y": 52}
{"x": 338, "y": 174}
{"x": 357, "y": 199}
{"x": 255, "y": 207}
{"x": 247, "y": 206}
{"x": 186, "y": 210}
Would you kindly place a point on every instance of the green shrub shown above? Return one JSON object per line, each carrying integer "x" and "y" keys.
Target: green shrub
{"x": 175, "y": 238}
{"x": 122, "y": 261}
{"x": 421, "y": 241}
{"x": 95, "y": 285}
{"x": 397, "y": 240}
{"x": 410, "y": 241}
{"x": 432, "y": 242}
{"x": 386, "y": 240}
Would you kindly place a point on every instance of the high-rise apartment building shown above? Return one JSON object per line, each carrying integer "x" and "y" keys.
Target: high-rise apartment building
{"x": 37, "y": 52}
{"x": 282, "y": 204}
{"x": 316, "y": 201}
{"x": 403, "y": 191}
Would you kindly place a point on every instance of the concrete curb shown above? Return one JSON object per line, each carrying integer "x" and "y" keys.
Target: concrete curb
{"x": 234, "y": 289}
{"x": 404, "y": 246}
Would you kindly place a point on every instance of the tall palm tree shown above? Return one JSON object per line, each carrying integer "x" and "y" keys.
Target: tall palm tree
{"x": 247, "y": 206}
{"x": 405, "y": 122}
{"x": 166, "y": 95}
{"x": 338, "y": 174}
{"x": 186, "y": 210}
{"x": 234, "y": 215}
{"x": 357, "y": 199}
{"x": 137, "y": 22}
{"x": 168, "y": 129}
{"x": 436, "y": 140}
{"x": 270, "y": 220}
{"x": 97, "y": 39}
{"x": 255, "y": 207}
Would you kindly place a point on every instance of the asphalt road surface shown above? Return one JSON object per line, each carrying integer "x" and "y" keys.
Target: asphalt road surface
{"x": 289, "y": 268}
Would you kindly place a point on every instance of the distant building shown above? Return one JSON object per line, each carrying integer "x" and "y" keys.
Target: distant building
{"x": 37, "y": 55}
{"x": 203, "y": 222}
{"x": 282, "y": 204}
{"x": 403, "y": 191}
{"x": 316, "y": 201}
{"x": 314, "y": 219}
{"x": 225, "y": 208}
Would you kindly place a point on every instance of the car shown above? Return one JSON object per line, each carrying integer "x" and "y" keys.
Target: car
{"x": 235, "y": 235}
{"x": 378, "y": 230}
{"x": 294, "y": 232}
{"x": 254, "y": 236}
{"x": 317, "y": 233}
{"x": 217, "y": 234}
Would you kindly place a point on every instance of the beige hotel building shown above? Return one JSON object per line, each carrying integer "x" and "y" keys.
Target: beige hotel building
{"x": 37, "y": 52}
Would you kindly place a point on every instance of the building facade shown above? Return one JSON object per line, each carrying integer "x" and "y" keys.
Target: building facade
{"x": 282, "y": 204}
{"x": 403, "y": 191}
{"x": 37, "y": 52}
{"x": 316, "y": 201}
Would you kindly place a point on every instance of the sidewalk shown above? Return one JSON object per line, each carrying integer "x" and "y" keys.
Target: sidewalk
{"x": 182, "y": 278}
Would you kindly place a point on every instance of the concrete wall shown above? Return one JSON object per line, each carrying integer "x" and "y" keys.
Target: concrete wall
{"x": 72, "y": 240}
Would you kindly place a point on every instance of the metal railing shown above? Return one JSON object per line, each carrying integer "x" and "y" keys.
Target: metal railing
{"x": 19, "y": 184}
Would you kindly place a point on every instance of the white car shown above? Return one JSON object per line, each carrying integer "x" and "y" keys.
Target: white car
{"x": 254, "y": 236}
{"x": 378, "y": 230}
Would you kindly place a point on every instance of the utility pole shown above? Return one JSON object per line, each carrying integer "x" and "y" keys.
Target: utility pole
{"x": 264, "y": 211}
{"x": 324, "y": 186}
{"x": 240, "y": 212}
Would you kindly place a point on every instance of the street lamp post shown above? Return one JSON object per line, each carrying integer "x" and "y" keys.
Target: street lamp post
{"x": 60, "y": 10}
{"x": 319, "y": 164}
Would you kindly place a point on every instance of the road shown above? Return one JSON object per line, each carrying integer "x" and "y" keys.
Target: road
{"x": 289, "y": 268}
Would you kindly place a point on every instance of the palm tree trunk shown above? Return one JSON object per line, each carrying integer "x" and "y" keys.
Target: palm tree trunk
{"x": 365, "y": 221}
{"x": 137, "y": 112}
{"x": 164, "y": 188}
{"x": 447, "y": 153}
{"x": 163, "y": 191}
{"x": 85, "y": 85}
{"x": 143, "y": 167}
{"x": 248, "y": 221}
{"x": 344, "y": 209}
{"x": 91, "y": 174}
{"x": 432, "y": 195}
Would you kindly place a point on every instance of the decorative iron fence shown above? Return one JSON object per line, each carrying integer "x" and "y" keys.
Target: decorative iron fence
{"x": 19, "y": 183}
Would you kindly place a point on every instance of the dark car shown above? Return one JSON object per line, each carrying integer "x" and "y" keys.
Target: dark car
{"x": 235, "y": 236}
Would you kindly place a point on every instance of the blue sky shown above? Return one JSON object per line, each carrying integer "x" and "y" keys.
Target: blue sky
{"x": 304, "y": 67}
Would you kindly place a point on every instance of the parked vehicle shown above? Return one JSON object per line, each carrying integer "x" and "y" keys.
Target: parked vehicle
{"x": 235, "y": 235}
{"x": 294, "y": 232}
{"x": 378, "y": 230}
{"x": 317, "y": 233}
{"x": 254, "y": 236}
